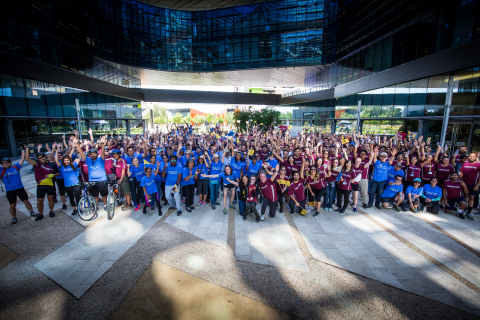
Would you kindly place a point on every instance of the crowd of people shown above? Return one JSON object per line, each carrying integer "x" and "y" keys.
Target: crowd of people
{"x": 311, "y": 171}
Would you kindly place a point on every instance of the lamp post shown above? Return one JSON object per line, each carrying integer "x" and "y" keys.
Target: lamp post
{"x": 77, "y": 108}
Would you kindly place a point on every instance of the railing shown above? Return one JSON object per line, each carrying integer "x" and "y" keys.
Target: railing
{"x": 308, "y": 90}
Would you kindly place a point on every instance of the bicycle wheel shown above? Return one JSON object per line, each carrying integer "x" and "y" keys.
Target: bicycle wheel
{"x": 110, "y": 206}
{"x": 88, "y": 208}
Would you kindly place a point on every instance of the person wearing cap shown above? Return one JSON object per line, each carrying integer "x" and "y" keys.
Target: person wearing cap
{"x": 413, "y": 194}
{"x": 379, "y": 177}
{"x": 44, "y": 174}
{"x": 215, "y": 169}
{"x": 96, "y": 171}
{"x": 121, "y": 175}
{"x": 393, "y": 193}
{"x": 202, "y": 167}
{"x": 13, "y": 185}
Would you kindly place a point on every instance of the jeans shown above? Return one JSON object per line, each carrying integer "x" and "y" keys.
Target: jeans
{"x": 376, "y": 189}
{"x": 175, "y": 200}
{"x": 272, "y": 207}
{"x": 241, "y": 206}
{"x": 159, "y": 189}
{"x": 330, "y": 195}
{"x": 213, "y": 191}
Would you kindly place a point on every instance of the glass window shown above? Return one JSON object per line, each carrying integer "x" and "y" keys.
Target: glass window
{"x": 54, "y": 101}
{"x": 13, "y": 90}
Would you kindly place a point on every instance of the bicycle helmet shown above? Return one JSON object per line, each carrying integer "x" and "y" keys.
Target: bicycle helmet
{"x": 93, "y": 150}
{"x": 116, "y": 151}
{"x": 3, "y": 159}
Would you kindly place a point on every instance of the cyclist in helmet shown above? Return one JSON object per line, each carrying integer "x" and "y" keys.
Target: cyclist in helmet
{"x": 122, "y": 178}
{"x": 13, "y": 185}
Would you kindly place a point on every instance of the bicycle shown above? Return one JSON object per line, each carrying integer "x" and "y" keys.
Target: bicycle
{"x": 87, "y": 207}
{"x": 114, "y": 198}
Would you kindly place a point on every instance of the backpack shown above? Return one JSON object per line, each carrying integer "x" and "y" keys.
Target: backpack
{"x": 5, "y": 170}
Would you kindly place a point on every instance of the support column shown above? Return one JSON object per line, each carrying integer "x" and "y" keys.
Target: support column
{"x": 151, "y": 118}
{"x": 446, "y": 114}
{"x": 421, "y": 124}
{"x": 143, "y": 125}
{"x": 127, "y": 126}
{"x": 10, "y": 135}
{"x": 359, "y": 109}
{"x": 334, "y": 126}
{"x": 360, "y": 127}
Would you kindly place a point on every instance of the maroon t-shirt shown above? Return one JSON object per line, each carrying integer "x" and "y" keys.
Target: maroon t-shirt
{"x": 83, "y": 171}
{"x": 263, "y": 155}
{"x": 471, "y": 172}
{"x": 346, "y": 181}
{"x": 443, "y": 173}
{"x": 298, "y": 161}
{"x": 109, "y": 164}
{"x": 428, "y": 171}
{"x": 403, "y": 163}
{"x": 296, "y": 189}
{"x": 277, "y": 184}
{"x": 454, "y": 189}
{"x": 319, "y": 184}
{"x": 42, "y": 170}
{"x": 412, "y": 172}
{"x": 333, "y": 177}
{"x": 360, "y": 170}
{"x": 290, "y": 169}
{"x": 268, "y": 190}
{"x": 120, "y": 165}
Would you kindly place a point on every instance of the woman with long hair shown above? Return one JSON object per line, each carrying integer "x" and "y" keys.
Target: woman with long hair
{"x": 202, "y": 167}
{"x": 136, "y": 171}
{"x": 344, "y": 187}
{"x": 228, "y": 185}
{"x": 331, "y": 192}
{"x": 70, "y": 172}
{"x": 317, "y": 187}
{"x": 242, "y": 194}
{"x": 281, "y": 186}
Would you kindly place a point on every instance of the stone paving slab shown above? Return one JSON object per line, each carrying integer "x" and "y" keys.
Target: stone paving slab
{"x": 78, "y": 264}
{"x": 270, "y": 242}
{"x": 203, "y": 222}
{"x": 353, "y": 242}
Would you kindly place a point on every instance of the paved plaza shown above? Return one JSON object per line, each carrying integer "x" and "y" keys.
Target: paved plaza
{"x": 400, "y": 264}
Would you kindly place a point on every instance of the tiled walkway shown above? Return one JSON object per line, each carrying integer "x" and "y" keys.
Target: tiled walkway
{"x": 203, "y": 222}
{"x": 269, "y": 242}
{"x": 77, "y": 265}
{"x": 355, "y": 243}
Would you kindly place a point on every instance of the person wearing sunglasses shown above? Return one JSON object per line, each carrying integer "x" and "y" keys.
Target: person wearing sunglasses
{"x": 413, "y": 194}
{"x": 393, "y": 193}
{"x": 44, "y": 174}
{"x": 13, "y": 186}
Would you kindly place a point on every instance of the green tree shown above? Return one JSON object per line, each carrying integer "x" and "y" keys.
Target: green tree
{"x": 265, "y": 118}
{"x": 160, "y": 120}
{"x": 230, "y": 119}
{"x": 219, "y": 120}
{"x": 177, "y": 118}
{"x": 286, "y": 115}
{"x": 187, "y": 119}
{"x": 129, "y": 115}
{"x": 211, "y": 118}
{"x": 198, "y": 119}
{"x": 159, "y": 111}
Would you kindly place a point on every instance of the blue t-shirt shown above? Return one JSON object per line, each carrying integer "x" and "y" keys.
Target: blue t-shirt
{"x": 203, "y": 170}
{"x": 380, "y": 172}
{"x": 138, "y": 172}
{"x": 12, "y": 179}
{"x": 172, "y": 174}
{"x": 237, "y": 166}
{"x": 432, "y": 193}
{"x": 413, "y": 191}
{"x": 186, "y": 173}
{"x": 149, "y": 184}
{"x": 392, "y": 173}
{"x": 158, "y": 176}
{"x": 183, "y": 160}
{"x": 60, "y": 173}
{"x": 96, "y": 169}
{"x": 254, "y": 168}
{"x": 215, "y": 168}
{"x": 70, "y": 176}
{"x": 232, "y": 177}
{"x": 272, "y": 163}
{"x": 391, "y": 190}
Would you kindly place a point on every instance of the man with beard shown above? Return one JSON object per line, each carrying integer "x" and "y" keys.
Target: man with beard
{"x": 456, "y": 158}
{"x": 469, "y": 173}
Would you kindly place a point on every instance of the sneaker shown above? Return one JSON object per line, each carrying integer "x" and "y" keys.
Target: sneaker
{"x": 188, "y": 209}
{"x": 231, "y": 205}
{"x": 378, "y": 206}
{"x": 39, "y": 217}
{"x": 192, "y": 207}
{"x": 477, "y": 213}
{"x": 369, "y": 206}
{"x": 395, "y": 207}
{"x": 14, "y": 220}
{"x": 257, "y": 220}
{"x": 469, "y": 216}
{"x": 137, "y": 207}
{"x": 341, "y": 211}
{"x": 203, "y": 203}
{"x": 144, "y": 209}
{"x": 105, "y": 207}
{"x": 234, "y": 201}
{"x": 152, "y": 208}
{"x": 74, "y": 212}
{"x": 460, "y": 215}
{"x": 165, "y": 203}
{"x": 316, "y": 213}
{"x": 179, "y": 213}
{"x": 424, "y": 209}
{"x": 217, "y": 203}
{"x": 64, "y": 207}
{"x": 224, "y": 211}
{"x": 51, "y": 214}
{"x": 245, "y": 218}
{"x": 160, "y": 212}
{"x": 213, "y": 206}
{"x": 355, "y": 209}
{"x": 208, "y": 201}
{"x": 262, "y": 218}
{"x": 33, "y": 214}
{"x": 337, "y": 210}
{"x": 280, "y": 209}
{"x": 200, "y": 203}
{"x": 172, "y": 208}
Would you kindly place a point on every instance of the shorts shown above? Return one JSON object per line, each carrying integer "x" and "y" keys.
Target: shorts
{"x": 355, "y": 186}
{"x": 61, "y": 186}
{"x": 202, "y": 186}
{"x": 471, "y": 192}
{"x": 111, "y": 177}
{"x": 451, "y": 203}
{"x": 100, "y": 187}
{"x": 42, "y": 190}
{"x": 124, "y": 187}
{"x": 388, "y": 199}
{"x": 229, "y": 186}
{"x": 13, "y": 194}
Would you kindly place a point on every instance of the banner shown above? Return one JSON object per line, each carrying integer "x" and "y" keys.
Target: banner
{"x": 401, "y": 136}
{"x": 283, "y": 128}
{"x": 251, "y": 152}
